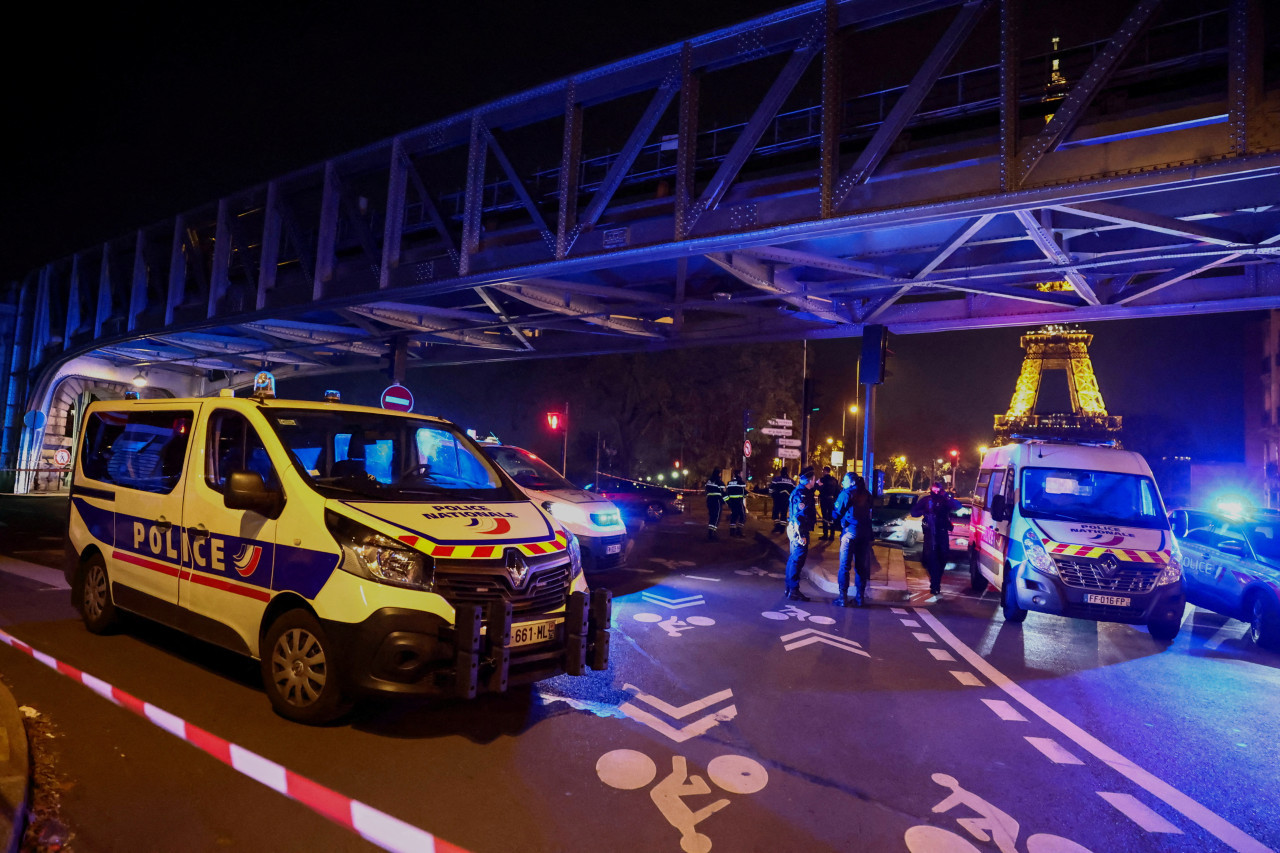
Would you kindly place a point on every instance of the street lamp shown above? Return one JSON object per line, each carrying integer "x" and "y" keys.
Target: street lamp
{"x": 853, "y": 410}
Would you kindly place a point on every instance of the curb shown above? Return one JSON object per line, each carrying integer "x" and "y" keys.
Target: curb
{"x": 15, "y": 772}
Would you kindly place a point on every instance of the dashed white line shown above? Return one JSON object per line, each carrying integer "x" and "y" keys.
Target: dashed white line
{"x": 1052, "y": 750}
{"x": 910, "y": 623}
{"x": 1140, "y": 813}
{"x": 941, "y": 654}
{"x": 1219, "y": 827}
{"x": 924, "y": 638}
{"x": 1004, "y": 710}
{"x": 701, "y": 578}
{"x": 898, "y": 610}
{"x": 968, "y": 679}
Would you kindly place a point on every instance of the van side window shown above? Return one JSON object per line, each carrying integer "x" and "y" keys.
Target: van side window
{"x": 234, "y": 445}
{"x": 980, "y": 490}
{"x": 994, "y": 488}
{"x": 136, "y": 449}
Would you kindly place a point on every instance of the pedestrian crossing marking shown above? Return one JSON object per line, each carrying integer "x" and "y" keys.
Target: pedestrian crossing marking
{"x": 968, "y": 679}
{"x": 910, "y": 623}
{"x": 1004, "y": 710}
{"x": 941, "y": 654}
{"x": 898, "y": 610}
{"x": 1052, "y": 750}
{"x": 924, "y": 638}
{"x": 1140, "y": 813}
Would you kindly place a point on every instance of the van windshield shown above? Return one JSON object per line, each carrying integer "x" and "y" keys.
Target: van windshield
{"x": 371, "y": 456}
{"x": 527, "y": 469}
{"x": 1100, "y": 497}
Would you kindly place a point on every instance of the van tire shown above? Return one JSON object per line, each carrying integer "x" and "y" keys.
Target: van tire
{"x": 93, "y": 597}
{"x": 1164, "y": 630}
{"x": 1264, "y": 622}
{"x": 977, "y": 583}
{"x": 300, "y": 672}
{"x": 1013, "y": 611}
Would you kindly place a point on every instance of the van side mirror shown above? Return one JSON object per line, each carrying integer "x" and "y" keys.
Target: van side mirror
{"x": 247, "y": 490}
{"x": 998, "y": 507}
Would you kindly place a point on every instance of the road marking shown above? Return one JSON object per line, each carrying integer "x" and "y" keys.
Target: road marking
{"x": 968, "y": 679}
{"x": 53, "y": 578}
{"x": 1052, "y": 750}
{"x": 1219, "y": 827}
{"x": 910, "y": 623}
{"x": 699, "y": 726}
{"x": 813, "y": 635}
{"x": 671, "y": 599}
{"x": 924, "y": 638}
{"x": 941, "y": 654}
{"x": 1004, "y": 710}
{"x": 898, "y": 610}
{"x": 701, "y": 578}
{"x": 1140, "y": 813}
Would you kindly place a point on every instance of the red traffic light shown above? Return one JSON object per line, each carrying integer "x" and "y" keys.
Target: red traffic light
{"x": 554, "y": 420}
{"x": 955, "y": 453}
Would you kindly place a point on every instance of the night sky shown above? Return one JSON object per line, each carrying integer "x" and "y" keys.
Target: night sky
{"x": 124, "y": 114}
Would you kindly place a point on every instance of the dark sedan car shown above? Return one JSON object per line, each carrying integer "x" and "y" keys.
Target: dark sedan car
{"x": 640, "y": 500}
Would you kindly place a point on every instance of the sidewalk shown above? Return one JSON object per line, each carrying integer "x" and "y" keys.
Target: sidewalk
{"x": 888, "y": 568}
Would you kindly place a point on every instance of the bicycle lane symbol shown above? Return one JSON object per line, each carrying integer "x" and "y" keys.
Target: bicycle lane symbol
{"x": 673, "y": 625}
{"x": 630, "y": 770}
{"x": 992, "y": 824}
{"x": 791, "y": 611}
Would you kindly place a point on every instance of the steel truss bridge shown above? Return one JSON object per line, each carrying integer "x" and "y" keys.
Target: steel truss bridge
{"x": 1001, "y": 183}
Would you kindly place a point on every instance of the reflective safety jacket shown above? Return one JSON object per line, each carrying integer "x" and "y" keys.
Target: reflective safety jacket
{"x": 715, "y": 490}
{"x": 736, "y": 490}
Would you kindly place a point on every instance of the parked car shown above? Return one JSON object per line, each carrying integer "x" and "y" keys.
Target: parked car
{"x": 1231, "y": 565}
{"x": 596, "y": 521}
{"x": 908, "y": 531}
{"x": 640, "y": 501}
{"x": 891, "y": 517}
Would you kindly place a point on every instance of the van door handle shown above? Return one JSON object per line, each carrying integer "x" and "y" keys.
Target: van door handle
{"x": 200, "y": 531}
{"x": 163, "y": 523}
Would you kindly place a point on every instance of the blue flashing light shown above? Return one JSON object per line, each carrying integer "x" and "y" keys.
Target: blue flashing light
{"x": 1231, "y": 505}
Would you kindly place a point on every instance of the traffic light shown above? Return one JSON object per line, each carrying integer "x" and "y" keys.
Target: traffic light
{"x": 954, "y": 455}
{"x": 746, "y": 423}
{"x": 875, "y": 348}
{"x": 812, "y": 397}
{"x": 555, "y": 420}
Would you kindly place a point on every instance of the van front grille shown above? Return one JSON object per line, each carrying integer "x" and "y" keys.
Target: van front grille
{"x": 1088, "y": 574}
{"x": 545, "y": 589}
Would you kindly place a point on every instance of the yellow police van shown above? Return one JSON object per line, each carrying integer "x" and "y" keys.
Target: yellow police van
{"x": 1078, "y": 530}
{"x": 350, "y": 550}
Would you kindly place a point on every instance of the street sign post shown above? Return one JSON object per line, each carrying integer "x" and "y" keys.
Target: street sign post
{"x": 788, "y": 453}
{"x": 397, "y": 398}
{"x": 788, "y": 442}
{"x": 746, "y": 449}
{"x": 780, "y": 422}
{"x": 774, "y": 431}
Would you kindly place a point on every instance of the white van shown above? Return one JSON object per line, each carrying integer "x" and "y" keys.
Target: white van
{"x": 349, "y": 549}
{"x": 1078, "y": 530}
{"x": 595, "y": 521}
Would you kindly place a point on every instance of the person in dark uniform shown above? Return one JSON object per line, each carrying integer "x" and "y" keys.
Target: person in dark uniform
{"x": 828, "y": 491}
{"x": 934, "y": 509}
{"x": 801, "y": 517}
{"x": 853, "y": 514}
{"x": 780, "y": 488}
{"x": 715, "y": 502}
{"x": 735, "y": 496}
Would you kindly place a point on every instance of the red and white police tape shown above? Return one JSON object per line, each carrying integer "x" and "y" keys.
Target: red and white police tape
{"x": 374, "y": 826}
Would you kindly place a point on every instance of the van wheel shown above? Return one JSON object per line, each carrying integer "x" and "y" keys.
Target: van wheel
{"x": 909, "y": 541}
{"x": 1264, "y": 622}
{"x": 93, "y": 597}
{"x": 977, "y": 583}
{"x": 1013, "y": 611}
{"x": 299, "y": 670}
{"x": 1164, "y": 630}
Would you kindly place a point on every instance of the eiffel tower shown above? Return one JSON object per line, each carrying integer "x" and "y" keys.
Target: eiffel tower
{"x": 1058, "y": 348}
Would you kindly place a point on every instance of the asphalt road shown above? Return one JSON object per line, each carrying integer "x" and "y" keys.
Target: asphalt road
{"x": 730, "y": 719}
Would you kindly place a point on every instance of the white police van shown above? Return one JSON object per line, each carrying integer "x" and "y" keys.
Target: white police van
{"x": 1078, "y": 530}
{"x": 349, "y": 549}
{"x": 595, "y": 522}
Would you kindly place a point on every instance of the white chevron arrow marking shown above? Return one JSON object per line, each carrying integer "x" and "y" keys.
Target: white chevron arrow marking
{"x": 697, "y": 727}
{"x": 673, "y": 603}
{"x": 812, "y": 635}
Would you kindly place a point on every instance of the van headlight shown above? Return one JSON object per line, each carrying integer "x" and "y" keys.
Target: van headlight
{"x": 368, "y": 554}
{"x": 1172, "y": 572}
{"x": 565, "y": 513}
{"x": 1037, "y": 555}
{"x": 575, "y": 556}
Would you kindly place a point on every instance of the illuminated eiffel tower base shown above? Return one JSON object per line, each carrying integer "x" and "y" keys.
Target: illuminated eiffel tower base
{"x": 1058, "y": 348}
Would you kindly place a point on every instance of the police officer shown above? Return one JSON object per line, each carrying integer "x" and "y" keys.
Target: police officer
{"x": 735, "y": 496}
{"x": 801, "y": 517}
{"x": 934, "y": 509}
{"x": 828, "y": 490}
{"x": 853, "y": 515}
{"x": 715, "y": 501}
{"x": 780, "y": 488}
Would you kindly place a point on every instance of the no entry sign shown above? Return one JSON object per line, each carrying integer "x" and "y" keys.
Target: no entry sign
{"x": 398, "y": 398}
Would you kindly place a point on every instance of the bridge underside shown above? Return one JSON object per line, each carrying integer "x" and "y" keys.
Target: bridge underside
{"x": 1130, "y": 177}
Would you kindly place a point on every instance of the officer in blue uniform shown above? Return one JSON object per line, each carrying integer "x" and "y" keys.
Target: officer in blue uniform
{"x": 802, "y": 514}
{"x": 735, "y": 495}
{"x": 715, "y": 502}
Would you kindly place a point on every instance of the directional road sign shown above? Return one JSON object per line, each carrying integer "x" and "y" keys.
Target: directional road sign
{"x": 788, "y": 453}
{"x": 788, "y": 442}
{"x": 779, "y": 422}
{"x": 775, "y": 431}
